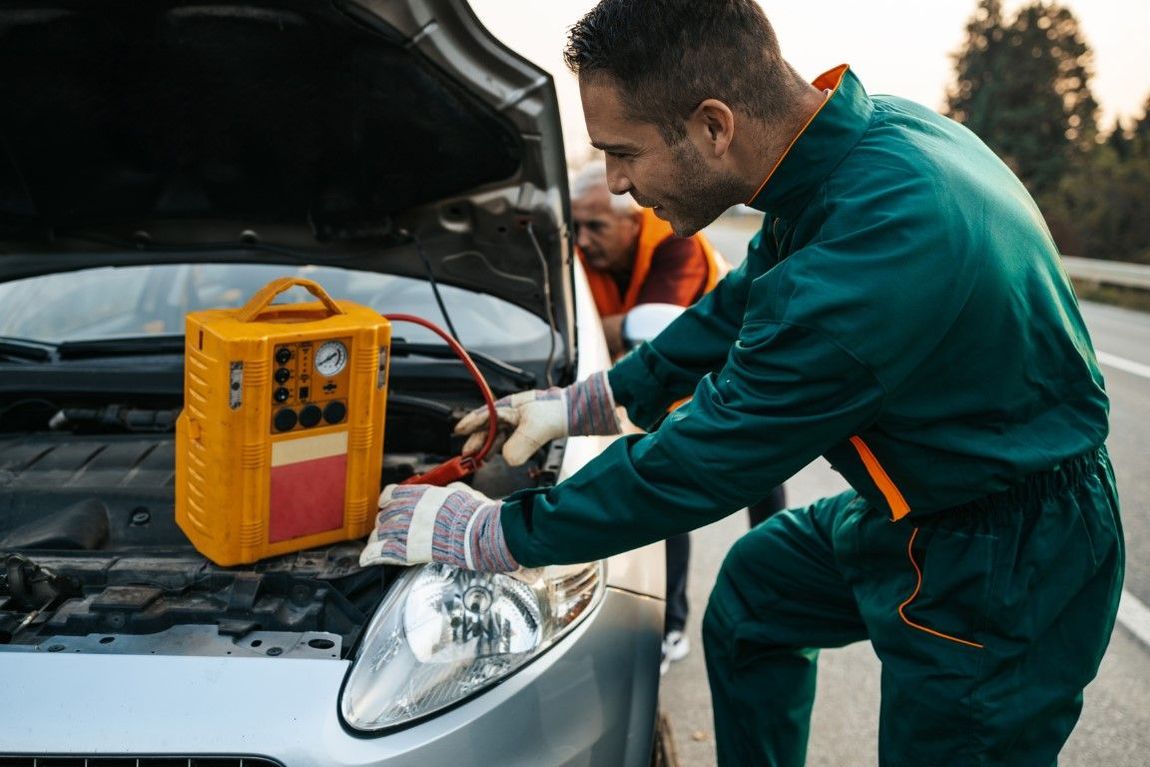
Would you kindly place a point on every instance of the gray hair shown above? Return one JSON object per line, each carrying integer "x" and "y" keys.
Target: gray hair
{"x": 593, "y": 177}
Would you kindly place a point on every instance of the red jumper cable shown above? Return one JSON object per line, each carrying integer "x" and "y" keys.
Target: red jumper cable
{"x": 460, "y": 466}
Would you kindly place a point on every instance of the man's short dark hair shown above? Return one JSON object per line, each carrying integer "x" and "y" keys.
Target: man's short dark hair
{"x": 667, "y": 56}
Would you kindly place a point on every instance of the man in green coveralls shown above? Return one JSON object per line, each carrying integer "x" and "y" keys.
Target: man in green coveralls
{"x": 902, "y": 312}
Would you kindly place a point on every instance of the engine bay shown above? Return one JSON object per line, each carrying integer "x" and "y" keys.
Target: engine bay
{"x": 91, "y": 558}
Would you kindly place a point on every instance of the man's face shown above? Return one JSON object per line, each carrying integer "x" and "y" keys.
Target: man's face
{"x": 607, "y": 238}
{"x": 675, "y": 180}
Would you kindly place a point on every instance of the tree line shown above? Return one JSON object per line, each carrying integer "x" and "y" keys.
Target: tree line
{"x": 1023, "y": 85}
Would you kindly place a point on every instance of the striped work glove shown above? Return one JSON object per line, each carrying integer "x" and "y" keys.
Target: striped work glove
{"x": 455, "y": 525}
{"x": 537, "y": 417}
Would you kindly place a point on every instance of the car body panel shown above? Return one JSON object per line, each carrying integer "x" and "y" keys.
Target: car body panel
{"x": 642, "y": 571}
{"x": 284, "y": 129}
{"x": 591, "y": 697}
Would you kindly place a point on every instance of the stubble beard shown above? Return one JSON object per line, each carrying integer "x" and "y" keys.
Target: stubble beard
{"x": 704, "y": 194}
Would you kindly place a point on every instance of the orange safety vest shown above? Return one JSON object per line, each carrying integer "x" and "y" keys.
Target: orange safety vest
{"x": 652, "y": 232}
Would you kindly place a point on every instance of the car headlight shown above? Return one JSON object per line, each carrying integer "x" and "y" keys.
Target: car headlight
{"x": 443, "y": 634}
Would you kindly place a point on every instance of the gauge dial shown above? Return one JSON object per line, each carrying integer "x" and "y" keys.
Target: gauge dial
{"x": 331, "y": 358}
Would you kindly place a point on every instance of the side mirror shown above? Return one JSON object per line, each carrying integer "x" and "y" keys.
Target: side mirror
{"x": 646, "y": 321}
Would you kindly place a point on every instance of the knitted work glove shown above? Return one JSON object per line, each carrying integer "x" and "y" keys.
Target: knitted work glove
{"x": 455, "y": 525}
{"x": 536, "y": 417}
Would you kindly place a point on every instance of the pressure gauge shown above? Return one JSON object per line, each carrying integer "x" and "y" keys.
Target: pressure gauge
{"x": 331, "y": 358}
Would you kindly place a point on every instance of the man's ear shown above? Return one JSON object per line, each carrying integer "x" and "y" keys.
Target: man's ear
{"x": 714, "y": 123}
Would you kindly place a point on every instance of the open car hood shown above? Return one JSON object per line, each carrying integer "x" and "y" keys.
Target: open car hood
{"x": 370, "y": 134}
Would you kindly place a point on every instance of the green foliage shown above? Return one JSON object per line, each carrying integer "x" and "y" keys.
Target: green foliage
{"x": 1024, "y": 88}
{"x": 1099, "y": 206}
{"x": 1103, "y": 196}
{"x": 1140, "y": 135}
{"x": 979, "y": 71}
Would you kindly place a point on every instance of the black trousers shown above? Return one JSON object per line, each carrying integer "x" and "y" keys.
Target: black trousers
{"x": 679, "y": 560}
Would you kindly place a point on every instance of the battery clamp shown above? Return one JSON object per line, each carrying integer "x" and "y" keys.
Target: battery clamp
{"x": 279, "y": 446}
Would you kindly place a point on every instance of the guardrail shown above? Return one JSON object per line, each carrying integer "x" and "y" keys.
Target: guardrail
{"x": 1119, "y": 273}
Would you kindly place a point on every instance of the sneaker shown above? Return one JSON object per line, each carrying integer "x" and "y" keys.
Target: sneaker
{"x": 675, "y": 648}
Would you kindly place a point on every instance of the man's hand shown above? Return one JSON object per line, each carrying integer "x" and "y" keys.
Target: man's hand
{"x": 537, "y": 417}
{"x": 423, "y": 523}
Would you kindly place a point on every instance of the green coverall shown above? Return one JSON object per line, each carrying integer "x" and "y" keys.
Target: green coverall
{"x": 902, "y": 312}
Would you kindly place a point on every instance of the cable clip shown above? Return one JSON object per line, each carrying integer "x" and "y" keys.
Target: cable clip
{"x": 447, "y": 472}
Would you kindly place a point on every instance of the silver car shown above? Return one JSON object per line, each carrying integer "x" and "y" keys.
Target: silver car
{"x": 162, "y": 158}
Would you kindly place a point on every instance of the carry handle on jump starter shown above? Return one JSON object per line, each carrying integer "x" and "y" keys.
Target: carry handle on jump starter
{"x": 260, "y": 307}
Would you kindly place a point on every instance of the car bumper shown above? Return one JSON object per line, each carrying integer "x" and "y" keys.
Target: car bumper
{"x": 589, "y": 700}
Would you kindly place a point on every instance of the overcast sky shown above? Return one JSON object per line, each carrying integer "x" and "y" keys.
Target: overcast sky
{"x": 894, "y": 46}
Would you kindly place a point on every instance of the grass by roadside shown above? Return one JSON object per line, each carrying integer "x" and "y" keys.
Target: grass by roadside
{"x": 1127, "y": 298}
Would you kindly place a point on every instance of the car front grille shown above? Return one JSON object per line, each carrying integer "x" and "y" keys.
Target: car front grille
{"x": 33, "y": 760}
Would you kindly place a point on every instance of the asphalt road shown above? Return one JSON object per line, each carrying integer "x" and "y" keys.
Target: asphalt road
{"x": 1115, "y": 726}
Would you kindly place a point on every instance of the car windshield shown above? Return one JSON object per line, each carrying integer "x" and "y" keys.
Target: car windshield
{"x": 118, "y": 302}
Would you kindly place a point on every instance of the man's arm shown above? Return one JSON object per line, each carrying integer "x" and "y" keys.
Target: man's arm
{"x": 818, "y": 342}
{"x": 745, "y": 430}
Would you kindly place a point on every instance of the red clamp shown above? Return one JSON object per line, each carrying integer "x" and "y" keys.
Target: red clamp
{"x": 445, "y": 473}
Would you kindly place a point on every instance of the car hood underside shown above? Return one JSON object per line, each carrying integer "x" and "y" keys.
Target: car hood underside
{"x": 374, "y": 135}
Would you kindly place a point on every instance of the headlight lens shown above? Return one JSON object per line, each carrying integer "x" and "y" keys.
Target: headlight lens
{"x": 443, "y": 634}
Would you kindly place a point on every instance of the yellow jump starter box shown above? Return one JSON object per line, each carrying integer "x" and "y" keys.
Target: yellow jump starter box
{"x": 279, "y": 446}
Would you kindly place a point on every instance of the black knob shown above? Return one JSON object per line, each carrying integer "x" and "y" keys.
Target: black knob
{"x": 285, "y": 419}
{"x": 310, "y": 416}
{"x": 281, "y": 395}
{"x": 335, "y": 412}
{"x": 282, "y": 375}
{"x": 283, "y": 354}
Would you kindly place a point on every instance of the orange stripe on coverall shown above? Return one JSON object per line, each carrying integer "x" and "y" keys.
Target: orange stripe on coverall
{"x": 830, "y": 80}
{"x": 917, "y": 587}
{"x": 899, "y": 508}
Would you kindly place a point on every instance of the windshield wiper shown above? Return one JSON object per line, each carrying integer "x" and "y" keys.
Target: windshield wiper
{"x": 116, "y": 347}
{"x": 25, "y": 349}
{"x": 42, "y": 351}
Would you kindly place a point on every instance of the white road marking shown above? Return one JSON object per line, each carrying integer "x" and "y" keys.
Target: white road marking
{"x": 1121, "y": 363}
{"x": 1132, "y": 614}
{"x": 1135, "y": 616}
